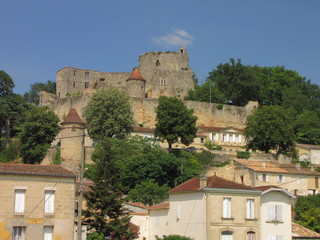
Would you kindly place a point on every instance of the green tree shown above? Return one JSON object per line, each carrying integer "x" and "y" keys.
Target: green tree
{"x": 207, "y": 92}
{"x": 176, "y": 237}
{"x": 270, "y": 127}
{"x": 109, "y": 114}
{"x": 148, "y": 192}
{"x": 307, "y": 127}
{"x": 174, "y": 121}
{"x": 307, "y": 211}
{"x": 6, "y": 84}
{"x": 105, "y": 212}
{"x": 33, "y": 96}
{"x": 38, "y": 130}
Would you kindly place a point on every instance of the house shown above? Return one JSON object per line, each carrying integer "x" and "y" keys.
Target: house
{"x": 292, "y": 177}
{"x": 275, "y": 218}
{"x": 208, "y": 208}
{"x": 230, "y": 138}
{"x": 309, "y": 152}
{"x": 37, "y": 202}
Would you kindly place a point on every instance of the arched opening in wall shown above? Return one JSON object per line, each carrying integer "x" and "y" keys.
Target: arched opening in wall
{"x": 227, "y": 235}
{"x": 181, "y": 50}
{"x": 251, "y": 235}
{"x": 102, "y": 79}
{"x": 158, "y": 62}
{"x": 74, "y": 84}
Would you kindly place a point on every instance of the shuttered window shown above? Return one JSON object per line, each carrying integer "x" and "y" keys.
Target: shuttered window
{"x": 226, "y": 208}
{"x": 19, "y": 200}
{"x": 49, "y": 201}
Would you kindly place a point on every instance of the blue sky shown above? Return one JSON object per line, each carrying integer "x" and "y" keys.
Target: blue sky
{"x": 39, "y": 37}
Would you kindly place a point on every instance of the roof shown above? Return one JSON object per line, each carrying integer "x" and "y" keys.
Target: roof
{"x": 301, "y": 232}
{"x": 210, "y": 128}
{"x": 212, "y": 182}
{"x": 265, "y": 188}
{"x": 272, "y": 188}
{"x": 137, "y": 204}
{"x": 143, "y": 129}
{"x": 135, "y": 75}
{"x": 73, "y": 117}
{"x": 160, "y": 206}
{"x": 276, "y": 167}
{"x": 36, "y": 170}
{"x": 86, "y": 183}
{"x": 310, "y": 146}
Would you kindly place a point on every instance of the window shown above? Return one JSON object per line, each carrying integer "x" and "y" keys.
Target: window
{"x": 264, "y": 177}
{"x": 236, "y": 138}
{"x": 86, "y": 85}
{"x": 19, "y": 233}
{"x": 202, "y": 140}
{"x": 49, "y": 201}
{"x": 19, "y": 200}
{"x": 163, "y": 82}
{"x": 274, "y": 237}
{"x": 48, "y": 233}
{"x": 86, "y": 75}
{"x": 74, "y": 84}
{"x": 250, "y": 208}
{"x": 231, "y": 138}
{"x": 102, "y": 79}
{"x": 226, "y": 208}
{"x": 299, "y": 180}
{"x": 74, "y": 72}
{"x": 316, "y": 182}
{"x": 227, "y": 235}
{"x": 242, "y": 179}
{"x": 280, "y": 178}
{"x": 251, "y": 235}
{"x": 178, "y": 211}
{"x": 225, "y": 137}
{"x": 274, "y": 213}
{"x": 213, "y": 137}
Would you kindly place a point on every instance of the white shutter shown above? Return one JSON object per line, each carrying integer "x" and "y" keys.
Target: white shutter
{"x": 270, "y": 212}
{"x": 271, "y": 238}
{"x": 178, "y": 211}
{"x": 19, "y": 233}
{"x": 279, "y": 237}
{"x": 226, "y": 208}
{"x": 48, "y": 232}
{"x": 278, "y": 213}
{"x": 49, "y": 201}
{"x": 250, "y": 208}
{"x": 19, "y": 200}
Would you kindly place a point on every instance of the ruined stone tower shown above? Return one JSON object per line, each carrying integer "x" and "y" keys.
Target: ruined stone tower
{"x": 72, "y": 140}
{"x": 136, "y": 85}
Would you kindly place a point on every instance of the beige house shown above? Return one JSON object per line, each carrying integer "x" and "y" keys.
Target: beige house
{"x": 37, "y": 202}
{"x": 230, "y": 138}
{"x": 309, "y": 152}
{"x": 292, "y": 177}
{"x": 275, "y": 218}
{"x": 208, "y": 208}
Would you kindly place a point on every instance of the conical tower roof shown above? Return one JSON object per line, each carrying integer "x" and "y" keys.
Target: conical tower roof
{"x": 135, "y": 75}
{"x": 73, "y": 117}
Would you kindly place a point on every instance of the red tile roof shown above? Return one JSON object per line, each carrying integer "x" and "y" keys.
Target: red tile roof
{"x": 135, "y": 75}
{"x": 264, "y": 188}
{"x": 275, "y": 167}
{"x": 212, "y": 182}
{"x": 35, "y": 170}
{"x": 73, "y": 117}
{"x": 160, "y": 206}
{"x": 137, "y": 204}
{"x": 301, "y": 232}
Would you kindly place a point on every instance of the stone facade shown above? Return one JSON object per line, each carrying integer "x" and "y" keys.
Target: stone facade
{"x": 32, "y": 182}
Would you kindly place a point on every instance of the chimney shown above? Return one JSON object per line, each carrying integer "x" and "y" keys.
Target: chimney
{"x": 203, "y": 181}
{"x": 297, "y": 166}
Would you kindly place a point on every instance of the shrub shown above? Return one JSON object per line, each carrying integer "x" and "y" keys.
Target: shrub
{"x": 212, "y": 146}
{"x": 219, "y": 106}
{"x": 176, "y": 237}
{"x": 57, "y": 158}
{"x": 243, "y": 155}
{"x": 95, "y": 236}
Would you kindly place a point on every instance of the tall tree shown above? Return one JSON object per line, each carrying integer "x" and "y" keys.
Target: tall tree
{"x": 6, "y": 84}
{"x": 270, "y": 127}
{"x": 109, "y": 114}
{"x": 37, "y": 132}
{"x": 174, "y": 121}
{"x": 307, "y": 127}
{"x": 105, "y": 212}
{"x": 33, "y": 96}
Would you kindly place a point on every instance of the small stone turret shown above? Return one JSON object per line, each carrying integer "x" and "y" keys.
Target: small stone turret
{"x": 136, "y": 84}
{"x": 72, "y": 136}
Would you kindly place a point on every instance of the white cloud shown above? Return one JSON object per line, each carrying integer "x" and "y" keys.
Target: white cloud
{"x": 179, "y": 37}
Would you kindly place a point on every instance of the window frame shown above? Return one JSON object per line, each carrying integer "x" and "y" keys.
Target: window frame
{"x": 49, "y": 198}
{"x": 226, "y": 208}
{"x": 19, "y": 200}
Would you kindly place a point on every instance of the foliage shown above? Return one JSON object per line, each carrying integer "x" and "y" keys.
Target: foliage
{"x": 95, "y": 236}
{"x": 33, "y": 96}
{"x": 219, "y": 106}
{"x": 6, "y": 84}
{"x": 307, "y": 211}
{"x": 148, "y": 192}
{"x": 105, "y": 212}
{"x": 10, "y": 153}
{"x": 109, "y": 114}
{"x": 57, "y": 157}
{"x": 205, "y": 158}
{"x": 270, "y": 127}
{"x": 37, "y": 132}
{"x": 176, "y": 237}
{"x": 174, "y": 120}
{"x": 212, "y": 146}
{"x": 243, "y": 154}
{"x": 207, "y": 92}
{"x": 307, "y": 127}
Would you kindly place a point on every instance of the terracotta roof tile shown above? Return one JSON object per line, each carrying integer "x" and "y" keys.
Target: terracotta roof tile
{"x": 275, "y": 167}
{"x": 302, "y": 232}
{"x": 35, "y": 170}
{"x": 212, "y": 182}
{"x": 264, "y": 188}
{"x": 135, "y": 75}
{"x": 73, "y": 117}
{"x": 160, "y": 206}
{"x": 139, "y": 214}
